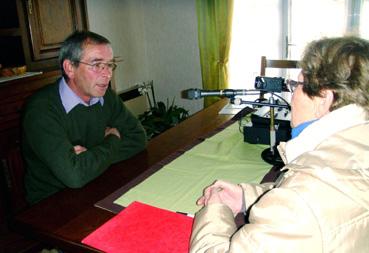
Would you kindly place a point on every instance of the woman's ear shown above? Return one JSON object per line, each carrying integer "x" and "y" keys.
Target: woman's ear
{"x": 324, "y": 103}
{"x": 69, "y": 68}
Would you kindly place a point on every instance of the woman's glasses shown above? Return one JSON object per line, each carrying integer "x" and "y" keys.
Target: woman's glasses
{"x": 292, "y": 84}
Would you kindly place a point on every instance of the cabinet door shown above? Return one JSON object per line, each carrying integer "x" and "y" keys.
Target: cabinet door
{"x": 50, "y": 22}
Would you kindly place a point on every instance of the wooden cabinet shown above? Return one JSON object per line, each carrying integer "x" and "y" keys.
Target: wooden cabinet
{"x": 50, "y": 22}
{"x": 32, "y": 31}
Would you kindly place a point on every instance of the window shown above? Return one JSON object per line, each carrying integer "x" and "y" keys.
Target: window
{"x": 280, "y": 29}
{"x": 314, "y": 19}
{"x": 256, "y": 31}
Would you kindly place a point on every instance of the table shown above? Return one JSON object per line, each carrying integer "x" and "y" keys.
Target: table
{"x": 65, "y": 218}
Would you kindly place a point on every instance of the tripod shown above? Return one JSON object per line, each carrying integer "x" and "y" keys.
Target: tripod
{"x": 269, "y": 155}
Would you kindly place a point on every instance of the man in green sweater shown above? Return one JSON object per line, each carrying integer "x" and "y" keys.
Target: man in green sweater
{"x": 74, "y": 129}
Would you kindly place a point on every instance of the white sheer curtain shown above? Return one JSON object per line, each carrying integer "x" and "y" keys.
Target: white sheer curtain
{"x": 256, "y": 31}
{"x": 364, "y": 20}
{"x": 314, "y": 19}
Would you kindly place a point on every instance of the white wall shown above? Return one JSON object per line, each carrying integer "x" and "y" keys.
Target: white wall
{"x": 157, "y": 39}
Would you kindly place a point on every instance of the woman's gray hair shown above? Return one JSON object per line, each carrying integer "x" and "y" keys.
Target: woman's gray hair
{"x": 341, "y": 65}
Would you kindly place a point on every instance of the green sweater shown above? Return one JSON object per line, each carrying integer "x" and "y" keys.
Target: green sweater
{"x": 49, "y": 135}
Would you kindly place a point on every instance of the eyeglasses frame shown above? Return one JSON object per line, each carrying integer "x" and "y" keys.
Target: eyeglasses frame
{"x": 111, "y": 65}
{"x": 292, "y": 84}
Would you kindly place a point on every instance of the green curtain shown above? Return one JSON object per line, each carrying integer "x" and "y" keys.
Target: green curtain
{"x": 214, "y": 32}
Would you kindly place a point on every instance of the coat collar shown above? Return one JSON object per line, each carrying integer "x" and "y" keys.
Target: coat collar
{"x": 335, "y": 121}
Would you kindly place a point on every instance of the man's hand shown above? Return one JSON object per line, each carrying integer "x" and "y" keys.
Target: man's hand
{"x": 223, "y": 192}
{"x": 112, "y": 130}
{"x": 78, "y": 149}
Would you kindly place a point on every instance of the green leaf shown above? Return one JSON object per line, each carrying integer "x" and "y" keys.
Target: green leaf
{"x": 162, "y": 117}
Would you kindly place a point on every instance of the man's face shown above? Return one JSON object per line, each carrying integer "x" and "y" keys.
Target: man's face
{"x": 88, "y": 81}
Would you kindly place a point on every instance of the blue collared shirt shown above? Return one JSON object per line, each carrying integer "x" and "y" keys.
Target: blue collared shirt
{"x": 70, "y": 99}
{"x": 298, "y": 129}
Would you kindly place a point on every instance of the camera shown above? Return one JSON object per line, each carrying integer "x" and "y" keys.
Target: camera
{"x": 269, "y": 84}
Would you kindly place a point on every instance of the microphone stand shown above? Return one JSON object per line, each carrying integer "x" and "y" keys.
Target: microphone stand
{"x": 269, "y": 155}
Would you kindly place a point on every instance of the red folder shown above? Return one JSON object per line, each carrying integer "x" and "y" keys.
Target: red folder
{"x": 142, "y": 228}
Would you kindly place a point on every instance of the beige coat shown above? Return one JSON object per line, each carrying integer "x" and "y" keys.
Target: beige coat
{"x": 320, "y": 205}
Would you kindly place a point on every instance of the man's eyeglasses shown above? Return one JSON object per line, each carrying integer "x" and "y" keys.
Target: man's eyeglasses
{"x": 100, "y": 66}
{"x": 292, "y": 84}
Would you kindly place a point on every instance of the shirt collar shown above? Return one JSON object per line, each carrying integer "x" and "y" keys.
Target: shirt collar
{"x": 297, "y": 130}
{"x": 70, "y": 99}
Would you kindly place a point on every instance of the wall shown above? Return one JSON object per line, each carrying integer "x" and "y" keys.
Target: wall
{"x": 157, "y": 39}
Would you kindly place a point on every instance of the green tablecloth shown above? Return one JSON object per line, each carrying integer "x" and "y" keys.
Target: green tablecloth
{"x": 178, "y": 184}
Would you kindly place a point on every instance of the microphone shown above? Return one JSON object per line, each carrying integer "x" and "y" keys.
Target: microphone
{"x": 197, "y": 93}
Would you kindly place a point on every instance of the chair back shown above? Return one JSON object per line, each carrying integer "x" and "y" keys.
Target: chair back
{"x": 13, "y": 95}
{"x": 280, "y": 64}
{"x": 134, "y": 100}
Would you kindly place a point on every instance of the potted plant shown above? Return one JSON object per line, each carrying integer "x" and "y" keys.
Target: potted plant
{"x": 161, "y": 116}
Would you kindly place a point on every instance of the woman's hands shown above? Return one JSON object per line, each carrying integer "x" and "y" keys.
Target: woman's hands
{"x": 225, "y": 193}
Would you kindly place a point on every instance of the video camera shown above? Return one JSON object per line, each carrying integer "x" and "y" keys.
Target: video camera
{"x": 270, "y": 84}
